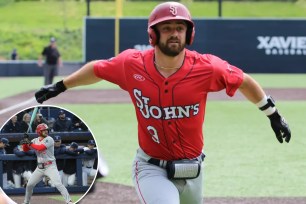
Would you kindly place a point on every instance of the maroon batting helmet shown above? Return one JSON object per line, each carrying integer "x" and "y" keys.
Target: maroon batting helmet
{"x": 40, "y": 128}
{"x": 170, "y": 11}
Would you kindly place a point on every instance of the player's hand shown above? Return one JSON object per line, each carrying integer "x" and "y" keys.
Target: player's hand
{"x": 26, "y": 136}
{"x": 280, "y": 127}
{"x": 49, "y": 91}
{"x": 25, "y": 141}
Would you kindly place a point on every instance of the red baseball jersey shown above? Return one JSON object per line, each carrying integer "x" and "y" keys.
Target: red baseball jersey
{"x": 170, "y": 111}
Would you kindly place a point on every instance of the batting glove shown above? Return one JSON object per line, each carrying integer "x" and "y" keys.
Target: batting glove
{"x": 25, "y": 141}
{"x": 280, "y": 127}
{"x": 50, "y": 91}
{"x": 278, "y": 123}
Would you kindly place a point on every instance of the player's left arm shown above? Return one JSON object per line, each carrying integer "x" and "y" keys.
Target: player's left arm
{"x": 90, "y": 151}
{"x": 71, "y": 152}
{"x": 38, "y": 147}
{"x": 80, "y": 150}
{"x": 254, "y": 93}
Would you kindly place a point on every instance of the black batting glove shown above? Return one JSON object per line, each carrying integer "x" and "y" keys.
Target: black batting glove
{"x": 280, "y": 127}
{"x": 26, "y": 136}
{"x": 26, "y": 139}
{"x": 50, "y": 91}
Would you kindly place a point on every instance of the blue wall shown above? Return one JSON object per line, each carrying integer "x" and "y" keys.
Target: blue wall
{"x": 99, "y": 38}
{"x": 20, "y": 68}
{"x": 256, "y": 46}
{"x": 30, "y": 68}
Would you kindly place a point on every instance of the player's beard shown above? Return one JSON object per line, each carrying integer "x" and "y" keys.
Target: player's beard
{"x": 171, "y": 50}
{"x": 44, "y": 134}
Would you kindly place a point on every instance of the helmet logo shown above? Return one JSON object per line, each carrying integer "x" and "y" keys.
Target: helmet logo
{"x": 173, "y": 10}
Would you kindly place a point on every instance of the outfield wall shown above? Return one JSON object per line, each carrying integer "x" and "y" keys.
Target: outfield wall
{"x": 30, "y": 68}
{"x": 255, "y": 45}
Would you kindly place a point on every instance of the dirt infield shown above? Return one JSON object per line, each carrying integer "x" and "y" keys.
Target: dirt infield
{"x": 108, "y": 193}
{"x": 113, "y": 193}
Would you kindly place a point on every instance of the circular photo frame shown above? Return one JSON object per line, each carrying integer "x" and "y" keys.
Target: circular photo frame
{"x": 47, "y": 155}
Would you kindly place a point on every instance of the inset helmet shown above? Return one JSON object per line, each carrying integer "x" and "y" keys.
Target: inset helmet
{"x": 41, "y": 127}
{"x": 170, "y": 11}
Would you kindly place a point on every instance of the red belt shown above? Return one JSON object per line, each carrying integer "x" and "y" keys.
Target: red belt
{"x": 48, "y": 163}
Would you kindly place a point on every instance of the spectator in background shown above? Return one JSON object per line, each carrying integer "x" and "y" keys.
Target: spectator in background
{"x": 25, "y": 123}
{"x": 62, "y": 123}
{"x": 4, "y": 142}
{"x": 51, "y": 122}
{"x": 88, "y": 163}
{"x": 14, "y": 54}
{"x": 59, "y": 149}
{"x": 52, "y": 61}
{"x": 38, "y": 120}
{"x": 12, "y": 126}
{"x": 21, "y": 113}
{"x": 78, "y": 124}
{"x": 69, "y": 171}
{"x": 22, "y": 169}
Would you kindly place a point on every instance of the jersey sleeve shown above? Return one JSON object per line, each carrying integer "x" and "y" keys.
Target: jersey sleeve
{"x": 225, "y": 76}
{"x": 113, "y": 69}
{"x": 48, "y": 142}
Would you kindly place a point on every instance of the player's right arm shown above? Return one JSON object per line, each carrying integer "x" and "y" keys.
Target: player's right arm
{"x": 83, "y": 76}
{"x": 38, "y": 147}
{"x": 111, "y": 70}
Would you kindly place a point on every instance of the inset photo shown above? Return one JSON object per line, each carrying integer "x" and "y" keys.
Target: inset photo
{"x": 47, "y": 155}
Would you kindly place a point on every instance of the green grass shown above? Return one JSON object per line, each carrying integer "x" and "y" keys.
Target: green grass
{"x": 281, "y": 80}
{"x": 243, "y": 156}
{"x": 28, "y": 25}
{"x": 10, "y": 86}
{"x": 74, "y": 197}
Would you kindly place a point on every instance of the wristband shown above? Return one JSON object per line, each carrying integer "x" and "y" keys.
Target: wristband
{"x": 267, "y": 105}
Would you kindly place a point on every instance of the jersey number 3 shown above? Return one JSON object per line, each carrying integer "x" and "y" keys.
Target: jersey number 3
{"x": 153, "y": 133}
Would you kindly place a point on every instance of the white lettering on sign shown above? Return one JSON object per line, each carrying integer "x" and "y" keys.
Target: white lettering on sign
{"x": 280, "y": 45}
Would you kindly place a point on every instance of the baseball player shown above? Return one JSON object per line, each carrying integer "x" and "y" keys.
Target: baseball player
{"x": 46, "y": 164}
{"x": 168, "y": 85}
{"x": 59, "y": 149}
{"x": 4, "y": 142}
{"x": 88, "y": 164}
{"x": 69, "y": 170}
{"x": 22, "y": 169}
